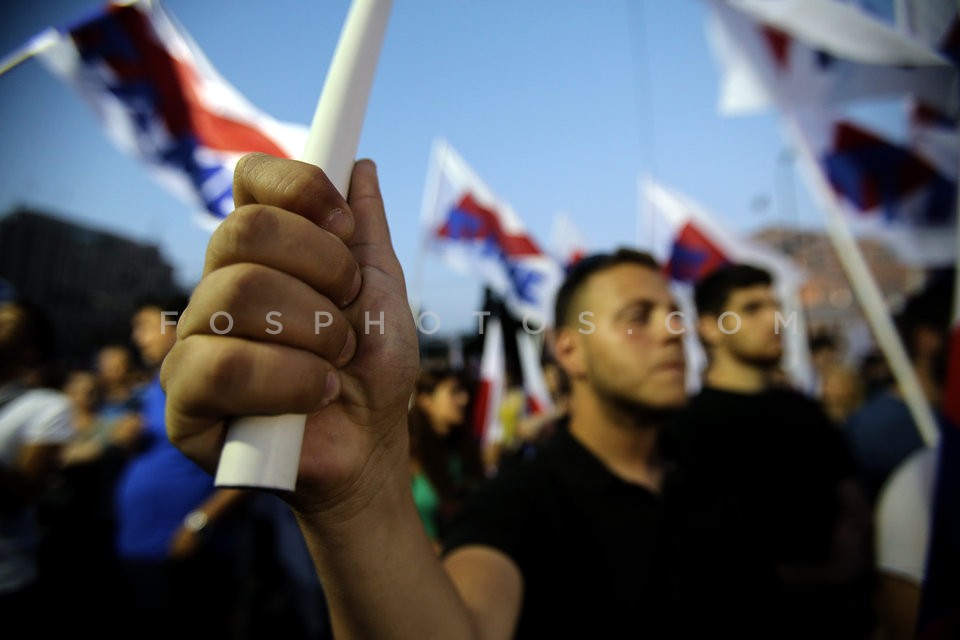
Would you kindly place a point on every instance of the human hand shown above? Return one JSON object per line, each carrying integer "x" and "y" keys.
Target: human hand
{"x": 296, "y": 248}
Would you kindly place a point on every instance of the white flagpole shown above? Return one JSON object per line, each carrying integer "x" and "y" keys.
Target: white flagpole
{"x": 868, "y": 293}
{"x": 264, "y": 451}
{"x": 37, "y": 44}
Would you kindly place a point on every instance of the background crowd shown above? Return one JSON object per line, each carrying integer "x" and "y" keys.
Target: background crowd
{"x": 104, "y": 517}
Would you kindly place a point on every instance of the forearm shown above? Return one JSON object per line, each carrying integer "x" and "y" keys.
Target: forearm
{"x": 380, "y": 573}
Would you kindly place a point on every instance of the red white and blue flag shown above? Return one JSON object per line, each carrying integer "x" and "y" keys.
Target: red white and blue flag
{"x": 905, "y": 193}
{"x": 160, "y": 100}
{"x": 478, "y": 234}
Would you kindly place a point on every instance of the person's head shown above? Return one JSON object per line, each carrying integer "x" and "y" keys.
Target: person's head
{"x": 824, "y": 351}
{"x": 153, "y": 334}
{"x": 736, "y": 309}
{"x": 114, "y": 364}
{"x": 27, "y": 337}
{"x": 441, "y": 394}
{"x": 617, "y": 336}
{"x": 924, "y": 325}
{"x": 82, "y": 389}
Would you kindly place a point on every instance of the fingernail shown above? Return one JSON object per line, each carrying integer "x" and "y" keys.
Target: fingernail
{"x": 339, "y": 223}
{"x": 354, "y": 288}
{"x": 349, "y": 348}
{"x": 331, "y": 387}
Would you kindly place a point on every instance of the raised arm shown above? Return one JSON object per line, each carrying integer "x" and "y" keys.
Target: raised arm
{"x": 322, "y": 327}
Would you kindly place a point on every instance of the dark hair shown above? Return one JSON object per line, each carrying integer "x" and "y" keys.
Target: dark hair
{"x": 583, "y": 269}
{"x": 930, "y": 307}
{"x": 434, "y": 451}
{"x": 38, "y": 334}
{"x": 164, "y": 301}
{"x": 712, "y": 293}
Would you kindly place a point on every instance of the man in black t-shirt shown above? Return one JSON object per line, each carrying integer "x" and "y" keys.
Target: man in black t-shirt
{"x": 774, "y": 458}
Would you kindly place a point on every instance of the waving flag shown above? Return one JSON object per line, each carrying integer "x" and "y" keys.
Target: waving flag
{"x": 487, "y": 426}
{"x": 535, "y": 387}
{"x": 819, "y": 52}
{"x": 905, "y": 194}
{"x": 160, "y": 100}
{"x": 477, "y": 233}
{"x": 691, "y": 241}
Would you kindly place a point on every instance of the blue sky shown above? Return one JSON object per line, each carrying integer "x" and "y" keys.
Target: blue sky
{"x": 559, "y": 105}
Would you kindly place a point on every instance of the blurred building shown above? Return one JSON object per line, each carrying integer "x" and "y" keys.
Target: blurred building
{"x": 826, "y": 296}
{"x": 88, "y": 280}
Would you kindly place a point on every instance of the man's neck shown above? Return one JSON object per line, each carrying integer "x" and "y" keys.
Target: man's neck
{"x": 626, "y": 444}
{"x": 730, "y": 374}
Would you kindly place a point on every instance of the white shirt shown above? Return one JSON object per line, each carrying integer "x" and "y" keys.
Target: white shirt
{"x": 904, "y": 511}
{"x": 37, "y": 416}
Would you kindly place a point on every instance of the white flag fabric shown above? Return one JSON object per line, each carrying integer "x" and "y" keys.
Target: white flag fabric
{"x": 691, "y": 241}
{"x": 160, "y": 100}
{"x": 479, "y": 234}
{"x": 792, "y": 53}
{"x": 932, "y": 22}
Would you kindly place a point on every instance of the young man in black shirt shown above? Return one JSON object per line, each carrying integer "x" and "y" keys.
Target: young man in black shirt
{"x": 774, "y": 458}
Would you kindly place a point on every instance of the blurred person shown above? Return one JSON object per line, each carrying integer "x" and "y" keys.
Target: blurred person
{"x": 118, "y": 380}
{"x": 585, "y": 539}
{"x": 883, "y": 433}
{"x": 34, "y": 425}
{"x": 173, "y": 525}
{"x": 904, "y": 516}
{"x": 786, "y": 469}
{"x": 78, "y": 566}
{"x": 841, "y": 393}
{"x": 444, "y": 455}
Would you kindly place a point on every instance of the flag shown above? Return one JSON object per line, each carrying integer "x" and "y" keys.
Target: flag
{"x": 160, "y": 100}
{"x": 538, "y": 399}
{"x": 567, "y": 242}
{"x": 487, "y": 426}
{"x": 690, "y": 242}
{"x": 794, "y": 53}
{"x": 903, "y": 193}
{"x": 477, "y": 233}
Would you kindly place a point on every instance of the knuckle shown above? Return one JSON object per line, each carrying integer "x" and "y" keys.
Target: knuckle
{"x": 227, "y": 371}
{"x": 302, "y": 178}
{"x": 247, "y": 226}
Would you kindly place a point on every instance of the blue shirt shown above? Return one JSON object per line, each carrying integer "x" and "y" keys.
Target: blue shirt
{"x": 157, "y": 489}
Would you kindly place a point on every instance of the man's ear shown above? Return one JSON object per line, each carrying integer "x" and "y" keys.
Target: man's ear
{"x": 569, "y": 352}
{"x": 709, "y": 332}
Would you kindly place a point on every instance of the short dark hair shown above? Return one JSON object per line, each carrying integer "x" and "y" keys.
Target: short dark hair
{"x": 164, "y": 301}
{"x": 712, "y": 293}
{"x": 38, "y": 334}
{"x": 583, "y": 269}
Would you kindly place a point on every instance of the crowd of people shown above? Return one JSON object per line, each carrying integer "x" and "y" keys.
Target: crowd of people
{"x": 633, "y": 508}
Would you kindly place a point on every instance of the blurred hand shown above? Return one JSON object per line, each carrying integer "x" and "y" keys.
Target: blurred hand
{"x": 294, "y": 246}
